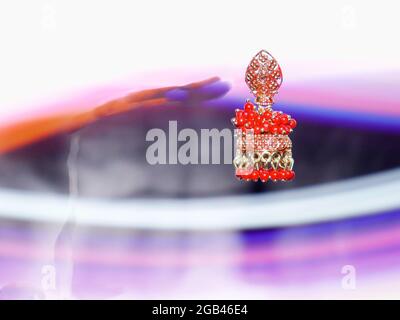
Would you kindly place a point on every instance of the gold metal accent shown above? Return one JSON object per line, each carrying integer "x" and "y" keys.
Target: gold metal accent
{"x": 265, "y": 160}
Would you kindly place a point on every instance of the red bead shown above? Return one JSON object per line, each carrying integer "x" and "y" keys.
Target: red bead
{"x": 257, "y": 130}
{"x": 273, "y": 174}
{"x": 239, "y": 114}
{"x": 264, "y": 175}
{"x": 281, "y": 130}
{"x": 286, "y": 174}
{"x": 250, "y": 124}
{"x": 258, "y": 121}
{"x": 281, "y": 175}
{"x": 276, "y": 114}
{"x": 276, "y": 120}
{"x": 267, "y": 115}
{"x": 251, "y": 115}
{"x": 254, "y": 175}
{"x": 265, "y": 126}
{"x": 240, "y": 122}
{"x": 287, "y": 129}
{"x": 292, "y": 123}
{"x": 284, "y": 119}
{"x": 248, "y": 106}
{"x": 274, "y": 129}
{"x": 291, "y": 175}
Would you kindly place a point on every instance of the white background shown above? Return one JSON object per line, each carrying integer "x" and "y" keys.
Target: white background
{"x": 52, "y": 47}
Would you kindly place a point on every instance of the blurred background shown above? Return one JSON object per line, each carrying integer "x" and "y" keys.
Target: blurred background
{"x": 82, "y": 213}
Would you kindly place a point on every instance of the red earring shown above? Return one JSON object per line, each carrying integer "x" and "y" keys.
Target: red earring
{"x": 263, "y": 147}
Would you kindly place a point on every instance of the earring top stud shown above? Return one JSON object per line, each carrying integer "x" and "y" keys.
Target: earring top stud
{"x": 264, "y": 77}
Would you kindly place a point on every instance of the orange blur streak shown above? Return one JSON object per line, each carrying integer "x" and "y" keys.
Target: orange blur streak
{"x": 18, "y": 135}
{"x": 24, "y": 133}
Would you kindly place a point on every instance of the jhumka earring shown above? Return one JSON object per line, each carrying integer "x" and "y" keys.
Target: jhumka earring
{"x": 263, "y": 149}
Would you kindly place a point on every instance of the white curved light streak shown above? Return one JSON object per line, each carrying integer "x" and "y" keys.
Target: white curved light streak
{"x": 349, "y": 198}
